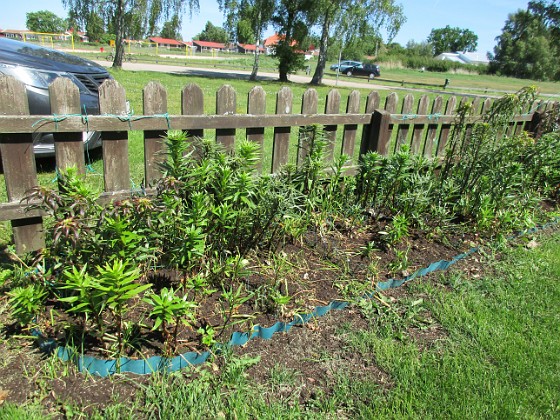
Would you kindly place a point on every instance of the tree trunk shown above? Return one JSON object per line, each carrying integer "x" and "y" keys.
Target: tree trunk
{"x": 253, "y": 76}
{"x": 119, "y": 42}
{"x": 320, "y": 69}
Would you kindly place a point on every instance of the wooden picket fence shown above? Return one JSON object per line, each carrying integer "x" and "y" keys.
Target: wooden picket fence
{"x": 383, "y": 128}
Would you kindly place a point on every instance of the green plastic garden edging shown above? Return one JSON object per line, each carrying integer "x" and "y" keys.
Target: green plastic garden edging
{"x": 106, "y": 367}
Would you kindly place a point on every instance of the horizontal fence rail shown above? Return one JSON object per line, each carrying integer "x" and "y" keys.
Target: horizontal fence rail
{"x": 383, "y": 128}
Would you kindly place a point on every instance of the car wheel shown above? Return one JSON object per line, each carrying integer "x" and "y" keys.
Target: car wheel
{"x": 372, "y": 76}
{"x": 349, "y": 73}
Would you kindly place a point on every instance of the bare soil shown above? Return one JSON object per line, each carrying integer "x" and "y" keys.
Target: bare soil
{"x": 319, "y": 268}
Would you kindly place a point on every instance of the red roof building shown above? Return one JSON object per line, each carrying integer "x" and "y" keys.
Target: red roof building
{"x": 248, "y": 49}
{"x": 166, "y": 42}
{"x": 208, "y": 45}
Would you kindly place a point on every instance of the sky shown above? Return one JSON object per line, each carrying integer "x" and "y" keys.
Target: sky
{"x": 485, "y": 18}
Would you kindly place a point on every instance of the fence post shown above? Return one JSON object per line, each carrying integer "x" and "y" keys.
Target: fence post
{"x": 372, "y": 103}
{"x": 18, "y": 162}
{"x": 533, "y": 125}
{"x": 380, "y": 133}
{"x": 69, "y": 147}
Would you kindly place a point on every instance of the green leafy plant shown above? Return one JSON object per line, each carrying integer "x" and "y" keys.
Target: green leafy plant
{"x": 118, "y": 285}
{"x": 27, "y": 303}
{"x": 85, "y": 297}
{"x": 168, "y": 312}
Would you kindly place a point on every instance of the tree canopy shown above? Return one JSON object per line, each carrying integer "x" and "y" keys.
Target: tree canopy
{"x": 212, "y": 33}
{"x": 45, "y": 21}
{"x": 450, "y": 39}
{"x": 352, "y": 21}
{"x": 170, "y": 29}
{"x": 129, "y": 18}
{"x": 246, "y": 20}
{"x": 529, "y": 45}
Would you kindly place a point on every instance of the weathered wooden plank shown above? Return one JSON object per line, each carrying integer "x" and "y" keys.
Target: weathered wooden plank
{"x": 380, "y": 132}
{"x": 46, "y": 123}
{"x": 433, "y": 126}
{"x": 445, "y": 128}
{"x": 404, "y": 125}
{"x": 69, "y": 147}
{"x": 116, "y": 168}
{"x": 256, "y": 105}
{"x": 350, "y": 130}
{"x": 391, "y": 103}
{"x": 372, "y": 103}
{"x": 520, "y": 125}
{"x": 192, "y": 104}
{"x": 226, "y": 104}
{"x": 154, "y": 98}
{"x": 306, "y": 135}
{"x": 332, "y": 106}
{"x": 418, "y": 128}
{"x": 21, "y": 209}
{"x": 18, "y": 162}
{"x": 281, "y": 141}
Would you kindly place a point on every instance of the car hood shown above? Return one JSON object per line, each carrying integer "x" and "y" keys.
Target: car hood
{"x": 26, "y": 54}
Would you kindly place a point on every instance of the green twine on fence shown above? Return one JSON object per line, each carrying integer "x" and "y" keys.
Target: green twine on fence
{"x": 406, "y": 117}
{"x": 58, "y": 118}
{"x": 166, "y": 116}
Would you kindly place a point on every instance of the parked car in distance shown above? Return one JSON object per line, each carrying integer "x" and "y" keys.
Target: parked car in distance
{"x": 369, "y": 70}
{"x": 37, "y": 67}
{"x": 345, "y": 64}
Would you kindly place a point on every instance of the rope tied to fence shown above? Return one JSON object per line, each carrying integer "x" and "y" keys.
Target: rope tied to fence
{"x": 435, "y": 116}
{"x": 406, "y": 117}
{"x": 56, "y": 118}
{"x": 166, "y": 116}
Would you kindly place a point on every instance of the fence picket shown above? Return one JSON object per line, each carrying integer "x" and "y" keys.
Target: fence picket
{"x": 69, "y": 147}
{"x": 418, "y": 129}
{"x": 281, "y": 142}
{"x": 226, "y": 104}
{"x": 256, "y": 105}
{"x": 350, "y": 130}
{"x": 116, "y": 169}
{"x": 154, "y": 99}
{"x": 192, "y": 103}
{"x": 331, "y": 107}
{"x": 431, "y": 131}
{"x": 404, "y": 126}
{"x": 18, "y": 162}
{"x": 309, "y": 106}
{"x": 446, "y": 128}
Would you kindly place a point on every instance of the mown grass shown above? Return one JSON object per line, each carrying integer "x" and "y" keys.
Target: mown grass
{"x": 499, "y": 358}
{"x": 502, "y": 353}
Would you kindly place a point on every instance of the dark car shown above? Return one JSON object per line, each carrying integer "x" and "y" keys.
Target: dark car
{"x": 345, "y": 65}
{"x": 37, "y": 67}
{"x": 369, "y": 70}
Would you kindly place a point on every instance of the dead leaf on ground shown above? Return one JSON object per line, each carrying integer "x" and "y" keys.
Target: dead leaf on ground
{"x": 532, "y": 244}
{"x": 3, "y": 396}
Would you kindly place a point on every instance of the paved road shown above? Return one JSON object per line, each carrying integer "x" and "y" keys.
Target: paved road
{"x": 241, "y": 74}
